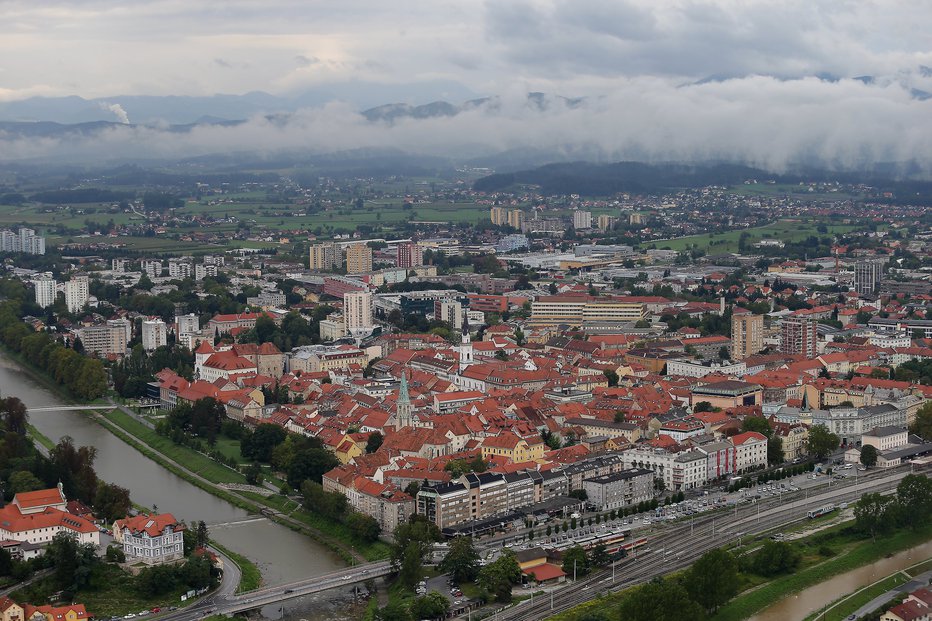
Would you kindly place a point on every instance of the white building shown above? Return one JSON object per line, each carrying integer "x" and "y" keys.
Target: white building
{"x": 36, "y": 517}
{"x": 582, "y": 219}
{"x": 150, "y": 539}
{"x": 46, "y": 289}
{"x": 205, "y": 270}
{"x": 154, "y": 334}
{"x": 696, "y": 368}
{"x": 750, "y": 451}
{"x": 451, "y": 312}
{"x": 179, "y": 268}
{"x": 679, "y": 471}
{"x": 187, "y": 324}
{"x": 357, "y": 312}
{"x": 76, "y": 294}
{"x": 153, "y": 269}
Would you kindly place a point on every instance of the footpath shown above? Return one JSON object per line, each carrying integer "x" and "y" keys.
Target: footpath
{"x": 922, "y": 580}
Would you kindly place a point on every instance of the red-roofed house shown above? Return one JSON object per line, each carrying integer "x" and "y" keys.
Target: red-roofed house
{"x": 36, "y": 517}
{"x": 151, "y": 539}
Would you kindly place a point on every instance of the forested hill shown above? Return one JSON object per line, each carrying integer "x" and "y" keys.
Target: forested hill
{"x": 588, "y": 179}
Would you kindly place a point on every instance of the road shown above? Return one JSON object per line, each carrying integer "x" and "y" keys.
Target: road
{"x": 678, "y": 546}
{"x": 226, "y": 601}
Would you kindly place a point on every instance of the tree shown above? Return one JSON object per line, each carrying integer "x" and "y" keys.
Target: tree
{"x": 922, "y": 426}
{"x": 462, "y": 561}
{"x": 374, "y": 441}
{"x": 775, "y": 557}
{"x": 775, "y": 454}
{"x": 260, "y": 444}
{"x": 611, "y": 376}
{"x": 430, "y": 606}
{"x": 702, "y": 406}
{"x": 201, "y": 535}
{"x": 575, "y": 562}
{"x": 393, "y": 611}
{"x": 24, "y": 481}
{"x": 723, "y": 353}
{"x": 310, "y": 464}
{"x": 872, "y": 513}
{"x": 660, "y": 598}
{"x": 713, "y": 579}
{"x": 822, "y": 442}
{"x": 758, "y": 424}
{"x": 14, "y": 415}
{"x": 412, "y": 565}
{"x": 417, "y": 530}
{"x": 869, "y": 455}
{"x": 412, "y": 488}
{"x": 111, "y": 502}
{"x": 364, "y": 527}
{"x": 914, "y": 494}
{"x": 598, "y": 556}
{"x": 498, "y": 576}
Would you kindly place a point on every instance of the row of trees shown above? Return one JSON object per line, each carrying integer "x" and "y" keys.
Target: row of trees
{"x": 84, "y": 377}
{"x": 911, "y": 506}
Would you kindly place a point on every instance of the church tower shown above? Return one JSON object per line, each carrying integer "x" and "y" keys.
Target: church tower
{"x": 403, "y": 407}
{"x": 466, "y": 358}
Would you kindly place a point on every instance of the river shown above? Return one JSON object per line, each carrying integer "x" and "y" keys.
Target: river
{"x": 804, "y": 603}
{"x": 281, "y": 554}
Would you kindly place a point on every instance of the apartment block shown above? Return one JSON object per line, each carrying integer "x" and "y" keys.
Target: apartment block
{"x": 358, "y": 259}
{"x": 747, "y": 335}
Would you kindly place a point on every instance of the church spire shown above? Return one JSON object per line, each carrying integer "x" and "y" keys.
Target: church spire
{"x": 466, "y": 358}
{"x": 403, "y": 405}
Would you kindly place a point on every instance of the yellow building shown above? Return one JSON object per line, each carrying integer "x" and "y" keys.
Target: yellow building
{"x": 512, "y": 447}
{"x": 358, "y": 259}
{"x": 499, "y": 216}
{"x": 325, "y": 256}
{"x": 516, "y": 219}
{"x": 747, "y": 335}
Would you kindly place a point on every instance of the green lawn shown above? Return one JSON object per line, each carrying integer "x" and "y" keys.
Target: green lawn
{"x": 37, "y": 436}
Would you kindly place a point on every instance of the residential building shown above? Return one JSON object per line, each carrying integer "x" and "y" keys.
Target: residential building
{"x": 187, "y": 324}
{"x": 268, "y": 299}
{"x": 150, "y": 539}
{"x": 325, "y": 257}
{"x": 76, "y": 294}
{"x": 105, "y": 340}
{"x": 510, "y": 243}
{"x": 36, "y": 517}
{"x": 358, "y": 259}
{"x": 582, "y": 219}
{"x": 720, "y": 459}
{"x": 202, "y": 271}
{"x": 747, "y": 335}
{"x": 606, "y": 222}
{"x": 499, "y": 216}
{"x": 154, "y": 334}
{"x": 867, "y": 276}
{"x": 750, "y": 451}
{"x": 622, "y": 489}
{"x": 357, "y": 312}
{"x": 25, "y": 241}
{"x": 179, "y": 268}
{"x": 798, "y": 336}
{"x": 516, "y": 219}
{"x": 408, "y": 254}
{"x": 46, "y": 290}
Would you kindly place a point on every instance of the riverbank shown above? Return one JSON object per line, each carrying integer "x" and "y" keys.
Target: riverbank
{"x": 250, "y": 577}
{"x": 854, "y": 555}
{"x": 336, "y": 537}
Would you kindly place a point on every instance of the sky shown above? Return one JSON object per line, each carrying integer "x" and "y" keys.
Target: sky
{"x": 663, "y": 79}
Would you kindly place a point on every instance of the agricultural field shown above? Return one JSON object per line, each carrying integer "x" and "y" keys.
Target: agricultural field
{"x": 784, "y": 230}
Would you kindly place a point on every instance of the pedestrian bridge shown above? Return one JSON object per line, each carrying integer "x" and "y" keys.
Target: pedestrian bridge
{"x": 72, "y": 408}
